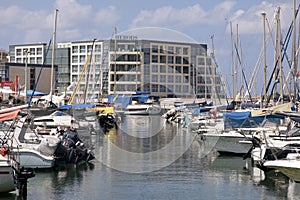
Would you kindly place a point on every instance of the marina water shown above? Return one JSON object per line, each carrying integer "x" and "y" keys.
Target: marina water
{"x": 137, "y": 161}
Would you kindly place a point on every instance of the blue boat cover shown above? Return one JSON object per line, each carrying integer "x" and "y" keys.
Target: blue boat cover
{"x": 237, "y": 115}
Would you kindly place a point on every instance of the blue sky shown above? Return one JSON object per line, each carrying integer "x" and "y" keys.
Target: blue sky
{"x": 31, "y": 21}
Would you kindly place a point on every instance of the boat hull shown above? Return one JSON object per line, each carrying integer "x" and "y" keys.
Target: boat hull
{"x": 6, "y": 177}
{"x": 290, "y": 168}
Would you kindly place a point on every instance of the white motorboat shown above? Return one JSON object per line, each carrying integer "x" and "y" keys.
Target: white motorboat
{"x": 287, "y": 161}
{"x": 57, "y": 118}
{"x": 7, "y": 183}
{"x": 37, "y": 153}
{"x": 143, "y": 109}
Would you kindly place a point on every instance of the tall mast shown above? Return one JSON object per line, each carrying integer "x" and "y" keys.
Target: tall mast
{"x": 294, "y": 52}
{"x": 265, "y": 62}
{"x": 53, "y": 53}
{"x": 279, "y": 55}
{"x": 232, "y": 63}
{"x": 115, "y": 65}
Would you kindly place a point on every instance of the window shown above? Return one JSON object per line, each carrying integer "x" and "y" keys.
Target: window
{"x": 155, "y": 78}
{"x": 162, "y": 69}
{"x": 178, "y": 59}
{"x": 39, "y": 51}
{"x": 162, "y": 59}
{"x": 75, "y": 49}
{"x": 154, "y": 68}
{"x": 162, "y": 88}
{"x": 82, "y": 49}
{"x": 170, "y": 79}
{"x": 75, "y": 69}
{"x": 178, "y": 69}
{"x": 154, "y": 58}
{"x": 185, "y": 60}
{"x": 201, "y": 61}
{"x": 178, "y": 79}
{"x": 82, "y": 59}
{"x": 90, "y": 48}
{"x": 185, "y": 51}
{"x": 170, "y": 69}
{"x": 170, "y": 59}
{"x": 170, "y": 50}
{"x": 178, "y": 88}
{"x": 32, "y": 60}
{"x": 208, "y": 61}
{"x": 154, "y": 88}
{"x": 178, "y": 50}
{"x": 39, "y": 60}
{"x": 97, "y": 48}
{"x": 185, "y": 88}
{"x": 185, "y": 70}
{"x": 32, "y": 51}
{"x": 19, "y": 52}
{"x": 154, "y": 48}
{"x": 162, "y": 78}
{"x": 75, "y": 59}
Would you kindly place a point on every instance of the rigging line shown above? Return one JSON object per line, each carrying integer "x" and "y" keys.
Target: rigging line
{"x": 243, "y": 73}
{"x": 39, "y": 75}
{"x": 286, "y": 40}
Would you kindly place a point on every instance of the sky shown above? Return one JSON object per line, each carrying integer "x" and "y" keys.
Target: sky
{"x": 32, "y": 21}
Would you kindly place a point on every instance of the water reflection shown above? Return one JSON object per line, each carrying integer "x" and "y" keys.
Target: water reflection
{"x": 192, "y": 175}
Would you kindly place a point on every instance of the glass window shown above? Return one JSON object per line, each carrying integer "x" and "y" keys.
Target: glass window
{"x": 82, "y": 59}
{"x": 201, "y": 61}
{"x": 82, "y": 49}
{"x": 97, "y": 48}
{"x": 185, "y": 50}
{"x": 178, "y": 59}
{"x": 178, "y": 88}
{"x": 185, "y": 70}
{"x": 185, "y": 60}
{"x": 162, "y": 88}
{"x": 32, "y": 60}
{"x": 89, "y": 48}
{"x": 75, "y": 59}
{"x": 155, "y": 78}
{"x": 162, "y": 78}
{"x": 162, "y": 69}
{"x": 154, "y": 58}
{"x": 39, "y": 51}
{"x": 39, "y": 60}
{"x": 154, "y": 88}
{"x": 170, "y": 59}
{"x": 162, "y": 59}
{"x": 208, "y": 61}
{"x": 19, "y": 52}
{"x": 178, "y": 79}
{"x": 178, "y": 69}
{"x": 154, "y": 68}
{"x": 185, "y": 88}
{"x": 170, "y": 50}
{"x": 32, "y": 51}
{"x": 178, "y": 50}
{"x": 170, "y": 69}
{"x": 170, "y": 79}
{"x": 75, "y": 49}
{"x": 154, "y": 48}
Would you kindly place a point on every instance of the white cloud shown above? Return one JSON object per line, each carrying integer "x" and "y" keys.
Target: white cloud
{"x": 107, "y": 16}
{"x": 250, "y": 21}
{"x": 192, "y": 15}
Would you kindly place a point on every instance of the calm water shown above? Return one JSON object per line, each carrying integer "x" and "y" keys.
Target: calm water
{"x": 147, "y": 174}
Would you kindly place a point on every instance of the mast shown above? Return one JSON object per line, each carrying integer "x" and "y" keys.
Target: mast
{"x": 232, "y": 67}
{"x": 279, "y": 55}
{"x": 265, "y": 62}
{"x": 115, "y": 64}
{"x": 53, "y": 53}
{"x": 236, "y": 61}
{"x": 295, "y": 60}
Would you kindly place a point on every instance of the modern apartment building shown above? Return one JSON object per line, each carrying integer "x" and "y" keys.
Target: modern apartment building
{"x": 126, "y": 65}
